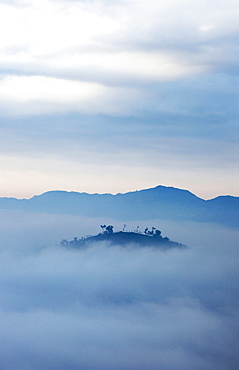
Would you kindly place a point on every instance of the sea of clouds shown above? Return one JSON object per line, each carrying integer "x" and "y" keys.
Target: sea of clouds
{"x": 117, "y": 308}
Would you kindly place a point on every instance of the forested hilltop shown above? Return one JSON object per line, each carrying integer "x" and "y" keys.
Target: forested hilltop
{"x": 149, "y": 238}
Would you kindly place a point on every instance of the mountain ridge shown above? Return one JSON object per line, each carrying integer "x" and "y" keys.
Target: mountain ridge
{"x": 158, "y": 187}
{"x": 126, "y": 193}
{"x": 160, "y": 202}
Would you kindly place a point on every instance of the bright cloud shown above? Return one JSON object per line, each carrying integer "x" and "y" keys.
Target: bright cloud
{"x": 25, "y": 88}
{"x": 22, "y": 95}
{"x": 129, "y": 44}
{"x": 19, "y": 91}
{"x": 45, "y": 27}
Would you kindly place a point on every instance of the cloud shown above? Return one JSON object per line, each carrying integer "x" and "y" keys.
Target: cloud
{"x": 43, "y": 93}
{"x": 82, "y": 79}
{"x": 121, "y": 308}
{"x": 130, "y": 45}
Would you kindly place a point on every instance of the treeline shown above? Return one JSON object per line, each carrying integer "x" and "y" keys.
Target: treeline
{"x": 108, "y": 230}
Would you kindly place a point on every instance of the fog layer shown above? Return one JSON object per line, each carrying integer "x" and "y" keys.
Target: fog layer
{"x": 119, "y": 308}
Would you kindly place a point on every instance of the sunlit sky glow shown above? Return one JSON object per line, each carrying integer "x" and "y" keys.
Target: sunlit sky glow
{"x": 102, "y": 96}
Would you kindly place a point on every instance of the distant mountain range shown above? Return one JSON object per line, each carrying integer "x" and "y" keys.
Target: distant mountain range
{"x": 166, "y": 203}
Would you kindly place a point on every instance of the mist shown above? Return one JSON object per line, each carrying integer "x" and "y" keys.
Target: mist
{"x": 113, "y": 307}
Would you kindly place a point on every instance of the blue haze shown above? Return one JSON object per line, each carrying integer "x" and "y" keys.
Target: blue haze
{"x": 117, "y": 307}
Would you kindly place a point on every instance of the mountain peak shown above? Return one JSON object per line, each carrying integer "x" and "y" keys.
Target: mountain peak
{"x": 160, "y": 202}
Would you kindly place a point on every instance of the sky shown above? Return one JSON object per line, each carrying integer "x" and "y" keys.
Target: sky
{"x": 101, "y": 96}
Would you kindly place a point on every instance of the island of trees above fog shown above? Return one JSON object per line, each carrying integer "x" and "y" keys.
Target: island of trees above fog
{"x": 148, "y": 238}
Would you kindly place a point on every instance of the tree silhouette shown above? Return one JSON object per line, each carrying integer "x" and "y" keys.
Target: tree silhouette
{"x": 103, "y": 227}
{"x": 153, "y": 231}
{"x": 109, "y": 229}
{"x": 157, "y": 232}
